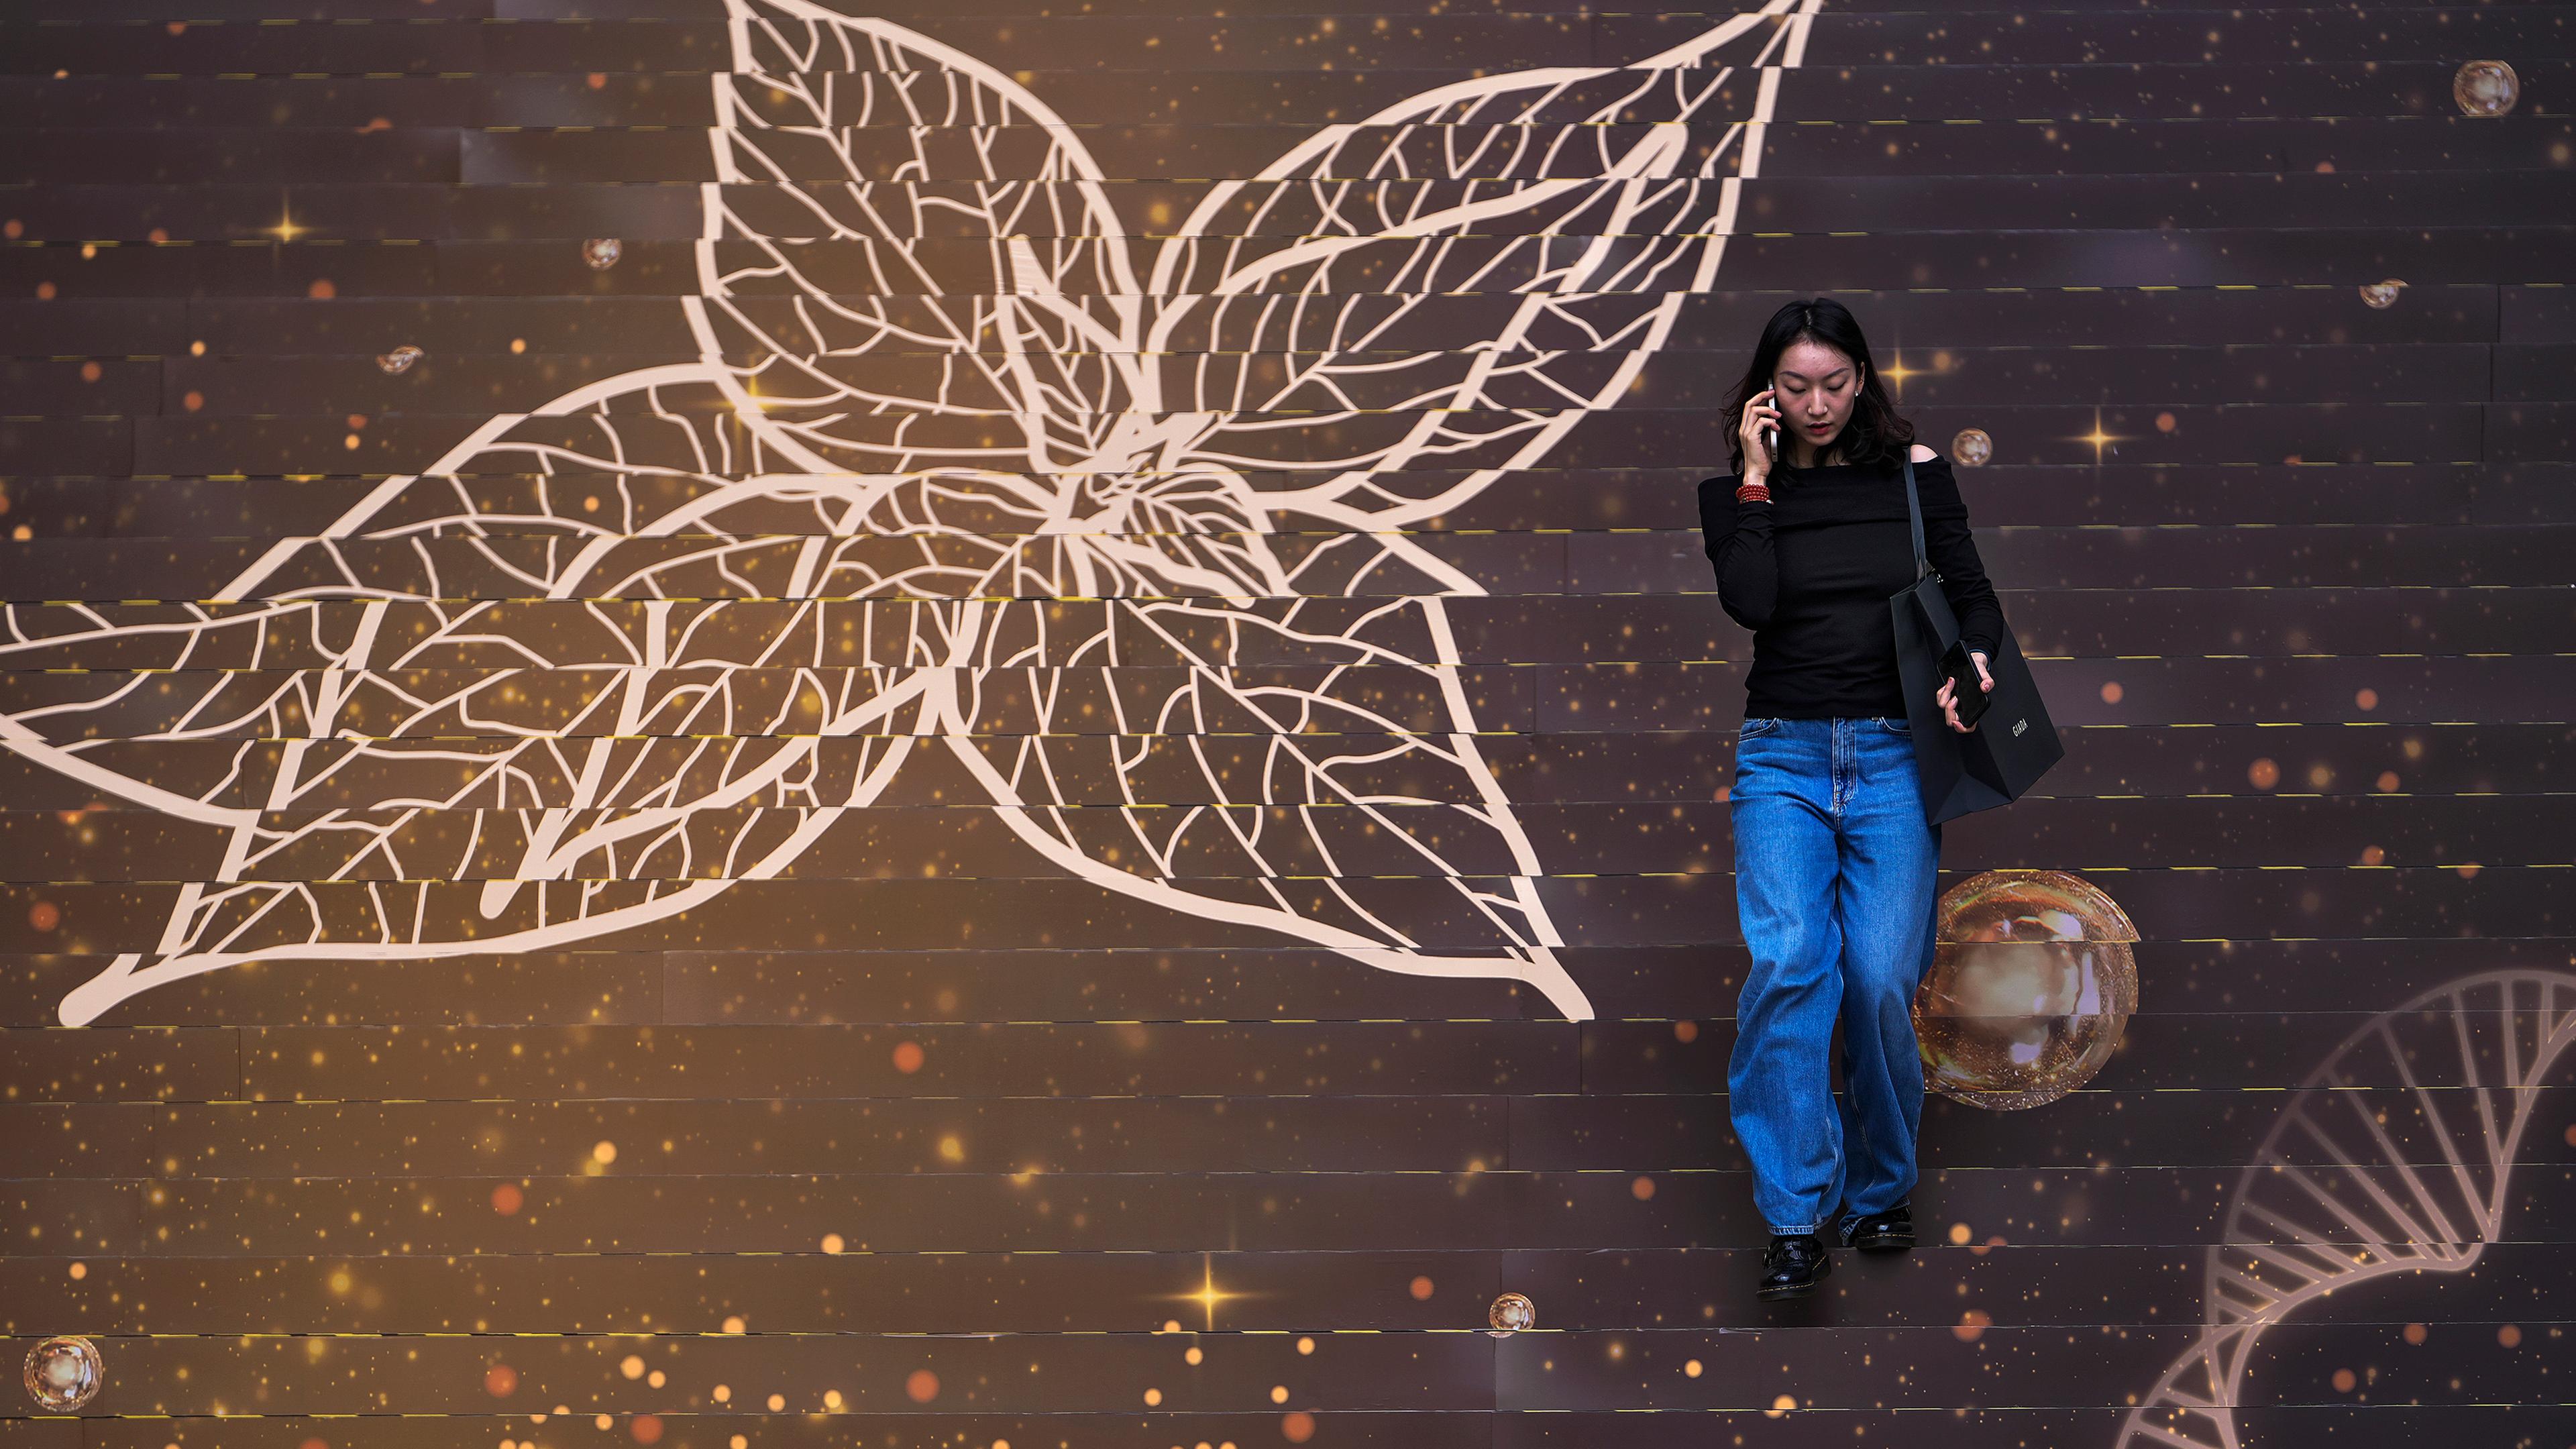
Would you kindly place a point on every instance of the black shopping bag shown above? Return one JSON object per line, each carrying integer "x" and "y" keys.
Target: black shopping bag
{"x": 2011, "y": 747}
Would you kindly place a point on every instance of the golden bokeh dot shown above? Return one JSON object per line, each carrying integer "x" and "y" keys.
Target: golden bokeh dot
{"x": 1193, "y": 1357}
{"x": 2366, "y": 698}
{"x": 1153, "y": 1397}
{"x": 2344, "y": 1380}
{"x": 1692, "y": 1368}
{"x": 832, "y": 1243}
{"x": 632, "y": 1366}
{"x": 1306, "y": 1344}
{"x": 603, "y": 1152}
{"x": 1420, "y": 1286}
{"x": 1959, "y": 1234}
{"x": 590, "y": 503}
{"x": 733, "y": 1324}
{"x": 1971, "y": 1325}
{"x": 777, "y": 1402}
{"x": 1780, "y": 1406}
{"x": 2264, "y": 773}
{"x": 2417, "y": 1332}
{"x": 2320, "y": 776}
{"x": 738, "y": 1442}
{"x": 2112, "y": 693}
{"x": 721, "y": 1393}
{"x": 518, "y": 344}
{"x": 1278, "y": 1393}
{"x": 78, "y": 1271}
{"x": 831, "y": 1398}
{"x": 2510, "y": 1336}
{"x": 656, "y": 1379}
{"x": 197, "y": 349}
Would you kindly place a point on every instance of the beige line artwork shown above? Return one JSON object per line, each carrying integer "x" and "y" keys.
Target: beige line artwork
{"x": 2340, "y": 1193}
{"x": 940, "y": 392}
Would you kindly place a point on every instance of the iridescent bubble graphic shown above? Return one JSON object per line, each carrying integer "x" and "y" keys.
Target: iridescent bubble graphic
{"x": 64, "y": 1373}
{"x": 2381, "y": 296}
{"x": 1972, "y": 446}
{"x": 2033, "y": 979}
{"x": 1511, "y": 1313}
{"x": 602, "y": 252}
{"x": 400, "y": 359}
{"x": 2486, "y": 88}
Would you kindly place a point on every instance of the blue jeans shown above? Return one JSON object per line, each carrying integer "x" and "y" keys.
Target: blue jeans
{"x": 1835, "y": 880}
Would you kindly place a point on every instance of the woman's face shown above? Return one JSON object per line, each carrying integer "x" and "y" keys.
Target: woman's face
{"x": 1816, "y": 386}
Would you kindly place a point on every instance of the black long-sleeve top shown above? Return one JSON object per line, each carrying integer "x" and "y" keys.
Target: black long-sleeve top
{"x": 1810, "y": 572}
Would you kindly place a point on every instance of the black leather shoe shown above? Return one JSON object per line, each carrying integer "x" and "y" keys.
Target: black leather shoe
{"x": 1793, "y": 1266}
{"x": 1889, "y": 1232}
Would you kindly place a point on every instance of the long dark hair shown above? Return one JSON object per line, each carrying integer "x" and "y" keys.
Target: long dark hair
{"x": 1875, "y": 435}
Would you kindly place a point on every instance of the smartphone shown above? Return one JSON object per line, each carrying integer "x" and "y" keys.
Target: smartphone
{"x": 1771, "y": 444}
{"x": 1969, "y": 696}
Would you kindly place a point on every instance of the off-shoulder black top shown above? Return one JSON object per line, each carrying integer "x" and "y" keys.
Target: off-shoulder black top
{"x": 1809, "y": 573}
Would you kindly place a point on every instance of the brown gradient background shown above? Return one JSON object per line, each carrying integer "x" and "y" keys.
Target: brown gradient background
{"x": 2296, "y": 574}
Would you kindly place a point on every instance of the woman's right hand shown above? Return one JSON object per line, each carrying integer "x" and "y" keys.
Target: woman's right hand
{"x": 1758, "y": 410}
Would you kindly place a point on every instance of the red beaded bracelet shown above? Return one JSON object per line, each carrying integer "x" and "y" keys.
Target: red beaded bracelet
{"x": 1753, "y": 493}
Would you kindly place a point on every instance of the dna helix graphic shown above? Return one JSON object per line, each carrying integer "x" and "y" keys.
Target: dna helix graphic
{"x": 2342, "y": 1192}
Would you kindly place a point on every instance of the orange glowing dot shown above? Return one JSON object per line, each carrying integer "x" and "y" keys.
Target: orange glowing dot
{"x": 598, "y": 80}
{"x": 350, "y": 442}
{"x": 1153, "y": 1397}
{"x": 2344, "y": 1380}
{"x": 193, "y": 401}
{"x": 500, "y": 1381}
{"x": 177, "y": 27}
{"x": 2112, "y": 692}
{"x": 1307, "y": 1345}
{"x": 1971, "y": 1325}
{"x": 507, "y": 1199}
{"x": 78, "y": 1271}
{"x": 2367, "y": 698}
{"x": 1420, "y": 1287}
{"x": 2264, "y": 774}
{"x": 2416, "y": 1332}
{"x": 777, "y": 1402}
{"x": 2468, "y": 870}
{"x": 321, "y": 290}
{"x": 2372, "y": 855}
{"x": 357, "y": 421}
{"x": 1959, "y": 1234}
{"x": 44, "y": 915}
{"x": 590, "y": 504}
{"x": 2325, "y": 167}
{"x": 647, "y": 1429}
{"x": 12, "y": 228}
{"x": 1780, "y": 1406}
{"x": 831, "y": 1398}
{"x": 44, "y": 291}
{"x": 1278, "y": 1393}
{"x": 907, "y": 1056}
{"x": 832, "y": 1242}
{"x": 375, "y": 124}
{"x": 22, "y": 533}
{"x": 2509, "y": 1336}
{"x": 1691, "y": 1369}
{"x": 196, "y": 349}
{"x": 1723, "y": 792}
{"x": 632, "y": 1366}
{"x": 89, "y": 372}
{"x": 2165, "y": 423}
{"x": 1297, "y": 1428}
{"x": 89, "y": 251}
{"x": 604, "y": 1152}
{"x": 1685, "y": 1031}
{"x": 2570, "y": 1134}
{"x": 734, "y": 1324}
{"x": 157, "y": 236}
{"x": 1641, "y": 1188}
{"x": 921, "y": 1386}
{"x": 316, "y": 1442}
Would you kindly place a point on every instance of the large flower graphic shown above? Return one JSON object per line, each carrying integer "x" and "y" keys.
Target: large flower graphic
{"x": 961, "y": 466}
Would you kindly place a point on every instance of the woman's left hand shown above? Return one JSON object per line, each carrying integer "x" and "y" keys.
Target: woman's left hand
{"x": 1949, "y": 705}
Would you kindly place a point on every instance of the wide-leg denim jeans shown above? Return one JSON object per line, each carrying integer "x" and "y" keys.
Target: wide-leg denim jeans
{"x": 1835, "y": 882}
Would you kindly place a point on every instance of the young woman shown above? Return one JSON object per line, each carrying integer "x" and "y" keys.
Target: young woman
{"x": 1834, "y": 865}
